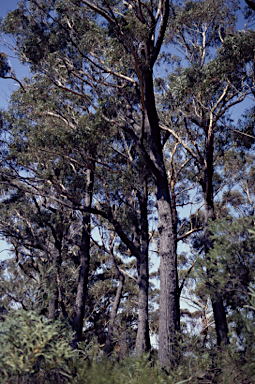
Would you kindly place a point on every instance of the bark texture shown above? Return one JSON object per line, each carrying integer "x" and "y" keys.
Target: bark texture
{"x": 84, "y": 255}
{"x": 168, "y": 310}
{"x": 143, "y": 337}
{"x": 108, "y": 348}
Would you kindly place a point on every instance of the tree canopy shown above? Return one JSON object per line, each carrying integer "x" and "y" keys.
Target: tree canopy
{"x": 120, "y": 151}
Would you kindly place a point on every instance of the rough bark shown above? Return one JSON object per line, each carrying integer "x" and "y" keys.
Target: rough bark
{"x": 168, "y": 307}
{"x": 174, "y": 223}
{"x": 84, "y": 254}
{"x": 217, "y": 302}
{"x": 143, "y": 336}
{"x": 168, "y": 310}
{"x": 108, "y": 348}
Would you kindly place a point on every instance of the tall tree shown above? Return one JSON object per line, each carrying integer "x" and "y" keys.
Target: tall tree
{"x": 201, "y": 95}
{"x": 137, "y": 32}
{"x": 38, "y": 156}
{"x": 79, "y": 156}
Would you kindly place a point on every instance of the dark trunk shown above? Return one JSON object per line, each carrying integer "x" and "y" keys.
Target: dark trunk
{"x": 168, "y": 311}
{"x": 220, "y": 320}
{"x": 53, "y": 309}
{"x": 143, "y": 335}
{"x": 53, "y": 301}
{"x": 174, "y": 221}
{"x": 109, "y": 338}
{"x": 217, "y": 302}
{"x": 84, "y": 255}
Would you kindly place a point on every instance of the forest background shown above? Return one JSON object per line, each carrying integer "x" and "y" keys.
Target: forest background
{"x": 133, "y": 133}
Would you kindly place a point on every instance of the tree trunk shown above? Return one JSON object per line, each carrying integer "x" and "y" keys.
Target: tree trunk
{"x": 175, "y": 223}
{"x": 108, "y": 348}
{"x": 217, "y": 302}
{"x": 168, "y": 310}
{"x": 54, "y": 299}
{"x": 143, "y": 336}
{"x": 84, "y": 255}
{"x": 220, "y": 320}
{"x": 168, "y": 307}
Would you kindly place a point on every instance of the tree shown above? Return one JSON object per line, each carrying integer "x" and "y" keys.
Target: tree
{"x": 50, "y": 168}
{"x": 201, "y": 95}
{"x": 79, "y": 155}
{"x": 138, "y": 32}
{"x": 250, "y": 4}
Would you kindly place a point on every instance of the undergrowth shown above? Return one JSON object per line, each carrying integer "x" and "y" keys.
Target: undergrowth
{"x": 34, "y": 350}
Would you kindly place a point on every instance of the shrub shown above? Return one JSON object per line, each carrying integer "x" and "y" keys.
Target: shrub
{"x": 34, "y": 350}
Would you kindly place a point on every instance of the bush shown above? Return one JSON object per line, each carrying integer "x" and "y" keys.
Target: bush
{"x": 34, "y": 350}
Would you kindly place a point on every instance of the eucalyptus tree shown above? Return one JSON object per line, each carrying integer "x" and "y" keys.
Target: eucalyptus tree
{"x": 38, "y": 235}
{"x": 234, "y": 242}
{"x": 86, "y": 47}
{"x": 216, "y": 75}
{"x": 104, "y": 54}
{"x": 42, "y": 171}
{"x": 236, "y": 213}
{"x": 233, "y": 251}
{"x": 61, "y": 156}
{"x": 45, "y": 232}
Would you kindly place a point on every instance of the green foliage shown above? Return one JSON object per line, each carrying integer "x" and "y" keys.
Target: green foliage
{"x": 32, "y": 349}
{"x": 129, "y": 371}
{"x": 4, "y": 66}
{"x": 233, "y": 257}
